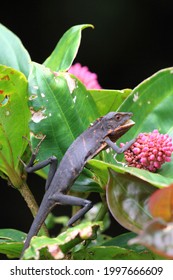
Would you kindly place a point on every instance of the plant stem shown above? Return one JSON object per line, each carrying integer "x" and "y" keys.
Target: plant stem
{"x": 32, "y": 204}
{"x": 103, "y": 210}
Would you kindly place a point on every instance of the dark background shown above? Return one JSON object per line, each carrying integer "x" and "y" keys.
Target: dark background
{"x": 131, "y": 41}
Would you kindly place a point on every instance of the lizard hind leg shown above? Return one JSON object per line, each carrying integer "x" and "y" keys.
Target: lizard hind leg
{"x": 74, "y": 201}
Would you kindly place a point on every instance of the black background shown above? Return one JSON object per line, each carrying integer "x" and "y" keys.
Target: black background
{"x": 131, "y": 41}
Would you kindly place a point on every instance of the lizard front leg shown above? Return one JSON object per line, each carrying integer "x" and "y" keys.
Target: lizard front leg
{"x": 32, "y": 167}
{"x": 117, "y": 149}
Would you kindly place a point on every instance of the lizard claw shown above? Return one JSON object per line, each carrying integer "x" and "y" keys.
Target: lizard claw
{"x": 38, "y": 145}
{"x": 33, "y": 151}
{"x": 24, "y": 164}
{"x": 36, "y": 149}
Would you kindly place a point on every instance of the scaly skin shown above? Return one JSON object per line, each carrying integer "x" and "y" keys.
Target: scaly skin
{"x": 103, "y": 133}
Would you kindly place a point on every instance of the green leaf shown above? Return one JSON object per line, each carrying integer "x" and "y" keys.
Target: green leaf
{"x": 11, "y": 235}
{"x": 122, "y": 241}
{"x": 61, "y": 245}
{"x": 150, "y": 103}
{"x": 65, "y": 52}
{"x": 11, "y": 242}
{"x": 100, "y": 169}
{"x": 13, "y": 53}
{"x": 151, "y": 100}
{"x": 57, "y": 104}
{"x": 14, "y": 117}
{"x": 109, "y": 100}
{"x": 127, "y": 198}
{"x": 85, "y": 183}
{"x": 111, "y": 253}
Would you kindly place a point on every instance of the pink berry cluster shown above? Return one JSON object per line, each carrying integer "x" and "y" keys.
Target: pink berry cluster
{"x": 88, "y": 78}
{"x": 149, "y": 151}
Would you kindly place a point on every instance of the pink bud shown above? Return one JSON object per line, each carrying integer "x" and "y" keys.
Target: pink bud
{"x": 136, "y": 151}
{"x": 152, "y": 157}
{"x": 168, "y": 153}
{"x": 143, "y": 160}
{"x": 157, "y": 164}
{"x": 151, "y": 144}
{"x": 159, "y": 158}
{"x": 167, "y": 159}
{"x": 154, "y": 151}
{"x": 129, "y": 159}
{"x": 145, "y": 149}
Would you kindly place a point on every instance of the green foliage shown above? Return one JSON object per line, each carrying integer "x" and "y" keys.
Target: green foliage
{"x": 63, "y": 55}
{"x": 61, "y": 245}
{"x": 13, "y": 53}
{"x": 109, "y": 100}
{"x": 57, "y": 104}
{"x": 14, "y": 117}
{"x": 61, "y": 108}
{"x": 11, "y": 242}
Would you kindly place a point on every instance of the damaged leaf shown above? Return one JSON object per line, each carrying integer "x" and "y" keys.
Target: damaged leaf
{"x": 14, "y": 117}
{"x": 61, "y": 245}
{"x": 57, "y": 112}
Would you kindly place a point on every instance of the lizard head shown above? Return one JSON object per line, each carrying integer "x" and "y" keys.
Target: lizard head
{"x": 115, "y": 124}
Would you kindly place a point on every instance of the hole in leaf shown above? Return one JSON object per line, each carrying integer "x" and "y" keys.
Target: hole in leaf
{"x": 4, "y": 101}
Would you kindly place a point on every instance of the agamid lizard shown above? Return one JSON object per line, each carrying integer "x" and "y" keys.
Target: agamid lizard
{"x": 100, "y": 135}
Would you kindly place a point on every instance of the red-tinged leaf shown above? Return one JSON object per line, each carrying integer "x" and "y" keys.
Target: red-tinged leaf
{"x": 161, "y": 204}
{"x": 158, "y": 237}
{"x": 127, "y": 198}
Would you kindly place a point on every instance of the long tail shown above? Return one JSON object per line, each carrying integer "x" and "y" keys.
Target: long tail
{"x": 43, "y": 211}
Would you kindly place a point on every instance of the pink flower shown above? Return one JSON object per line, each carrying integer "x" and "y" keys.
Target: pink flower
{"x": 88, "y": 78}
{"x": 149, "y": 151}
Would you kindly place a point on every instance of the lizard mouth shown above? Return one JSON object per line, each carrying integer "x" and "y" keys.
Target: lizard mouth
{"x": 128, "y": 123}
{"x": 119, "y": 131}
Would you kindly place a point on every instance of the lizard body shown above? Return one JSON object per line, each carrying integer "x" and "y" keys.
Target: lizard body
{"x": 102, "y": 134}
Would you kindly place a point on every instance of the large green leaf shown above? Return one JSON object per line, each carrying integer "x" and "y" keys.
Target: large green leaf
{"x": 66, "y": 49}
{"x": 61, "y": 108}
{"x": 13, "y": 53}
{"x": 14, "y": 117}
{"x": 150, "y": 103}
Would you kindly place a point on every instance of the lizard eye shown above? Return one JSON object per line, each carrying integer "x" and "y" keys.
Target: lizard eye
{"x": 118, "y": 117}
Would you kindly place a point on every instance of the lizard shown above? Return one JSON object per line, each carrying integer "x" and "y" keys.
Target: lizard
{"x": 102, "y": 134}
